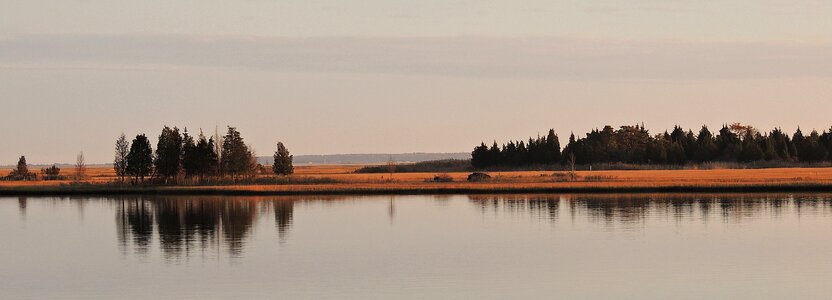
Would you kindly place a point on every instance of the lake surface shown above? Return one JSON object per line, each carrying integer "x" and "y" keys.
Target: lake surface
{"x": 418, "y": 247}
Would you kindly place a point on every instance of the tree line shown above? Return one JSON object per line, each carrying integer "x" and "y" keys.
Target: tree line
{"x": 183, "y": 156}
{"x": 635, "y": 145}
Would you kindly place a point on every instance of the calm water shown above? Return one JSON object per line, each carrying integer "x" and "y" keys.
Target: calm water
{"x": 419, "y": 247}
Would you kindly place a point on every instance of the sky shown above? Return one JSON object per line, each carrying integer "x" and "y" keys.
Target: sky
{"x": 393, "y": 76}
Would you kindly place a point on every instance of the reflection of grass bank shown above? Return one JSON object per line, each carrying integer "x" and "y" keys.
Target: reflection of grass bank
{"x": 415, "y": 188}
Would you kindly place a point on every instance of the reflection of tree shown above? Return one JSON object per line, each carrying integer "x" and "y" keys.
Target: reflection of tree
{"x": 202, "y": 218}
{"x": 629, "y": 210}
{"x": 543, "y": 206}
{"x": 140, "y": 221}
{"x": 283, "y": 210}
{"x": 237, "y": 217}
{"x": 732, "y": 207}
{"x": 186, "y": 224}
{"x": 169, "y": 220}
{"x": 21, "y": 206}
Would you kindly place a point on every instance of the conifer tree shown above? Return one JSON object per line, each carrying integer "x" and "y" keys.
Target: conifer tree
{"x": 706, "y": 148}
{"x": 553, "y": 148}
{"x": 140, "y": 158}
{"x": 479, "y": 157}
{"x": 751, "y": 151}
{"x": 207, "y": 156}
{"x": 282, "y": 161}
{"x": 236, "y": 156}
{"x": 769, "y": 151}
{"x": 168, "y": 153}
{"x": 22, "y": 171}
{"x": 22, "y": 167}
{"x": 190, "y": 155}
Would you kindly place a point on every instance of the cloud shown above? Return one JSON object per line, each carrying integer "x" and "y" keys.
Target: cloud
{"x": 545, "y": 57}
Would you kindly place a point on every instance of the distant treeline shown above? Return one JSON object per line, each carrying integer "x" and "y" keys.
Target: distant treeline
{"x": 376, "y": 158}
{"x": 635, "y": 145}
{"x": 445, "y": 165}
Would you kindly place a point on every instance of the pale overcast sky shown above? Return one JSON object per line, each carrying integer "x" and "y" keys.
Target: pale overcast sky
{"x": 400, "y": 76}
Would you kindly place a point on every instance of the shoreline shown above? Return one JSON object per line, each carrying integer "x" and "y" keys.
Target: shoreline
{"x": 380, "y": 189}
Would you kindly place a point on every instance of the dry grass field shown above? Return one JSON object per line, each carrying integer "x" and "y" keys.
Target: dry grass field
{"x": 341, "y": 178}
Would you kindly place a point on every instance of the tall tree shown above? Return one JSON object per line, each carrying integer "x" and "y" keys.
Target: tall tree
{"x": 236, "y": 156}
{"x": 282, "y": 161}
{"x": 190, "y": 155}
{"x": 140, "y": 158}
{"x": 22, "y": 167}
{"x": 207, "y": 158}
{"x": 751, "y": 150}
{"x": 810, "y": 148}
{"x": 120, "y": 161}
{"x": 728, "y": 143}
{"x": 479, "y": 157}
{"x": 168, "y": 153}
{"x": 706, "y": 148}
{"x": 553, "y": 148}
{"x": 22, "y": 171}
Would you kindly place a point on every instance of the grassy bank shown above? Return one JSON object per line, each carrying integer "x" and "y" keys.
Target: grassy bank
{"x": 341, "y": 180}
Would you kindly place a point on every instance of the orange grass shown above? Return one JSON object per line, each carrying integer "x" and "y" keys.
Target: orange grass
{"x": 349, "y": 181}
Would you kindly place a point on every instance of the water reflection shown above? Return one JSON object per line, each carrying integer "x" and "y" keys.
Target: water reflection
{"x": 21, "y": 206}
{"x": 708, "y": 245}
{"x": 179, "y": 227}
{"x": 635, "y": 208}
{"x": 183, "y": 225}
{"x": 541, "y": 206}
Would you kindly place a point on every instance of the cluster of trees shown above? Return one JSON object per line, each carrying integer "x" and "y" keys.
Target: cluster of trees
{"x": 539, "y": 151}
{"x": 180, "y": 155}
{"x": 634, "y": 145}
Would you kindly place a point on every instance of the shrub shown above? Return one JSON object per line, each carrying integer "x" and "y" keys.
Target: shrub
{"x": 51, "y": 173}
{"x": 444, "y": 177}
{"x": 478, "y": 177}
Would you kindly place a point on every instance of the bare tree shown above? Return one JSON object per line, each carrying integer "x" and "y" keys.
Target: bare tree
{"x": 218, "y": 144}
{"x": 120, "y": 162}
{"x": 80, "y": 167}
{"x": 743, "y": 130}
{"x": 572, "y": 174}
{"x": 391, "y": 167}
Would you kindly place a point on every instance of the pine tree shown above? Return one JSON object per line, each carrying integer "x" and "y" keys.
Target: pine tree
{"x": 190, "y": 155}
{"x": 751, "y": 151}
{"x": 282, "y": 161}
{"x": 479, "y": 157}
{"x": 168, "y": 153}
{"x": 22, "y": 171}
{"x": 706, "y": 148}
{"x": 769, "y": 151}
{"x": 236, "y": 157}
{"x": 22, "y": 167}
{"x": 553, "y": 148}
{"x": 728, "y": 143}
{"x": 120, "y": 161}
{"x": 207, "y": 157}
{"x": 140, "y": 158}
{"x": 495, "y": 156}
